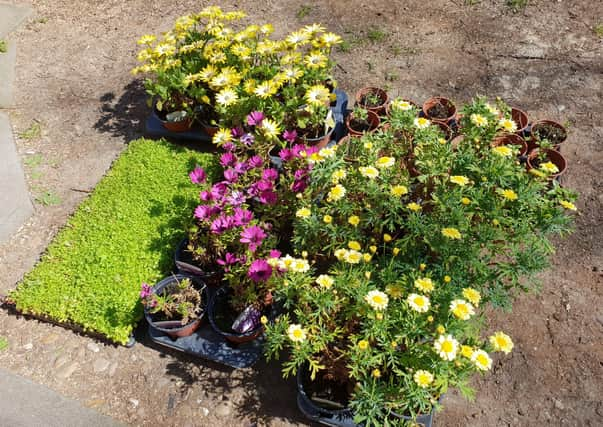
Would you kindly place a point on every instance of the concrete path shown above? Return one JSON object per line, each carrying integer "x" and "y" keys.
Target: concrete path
{"x": 26, "y": 404}
{"x": 15, "y": 204}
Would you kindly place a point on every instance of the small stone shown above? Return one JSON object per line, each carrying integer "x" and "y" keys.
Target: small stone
{"x": 134, "y": 402}
{"x": 223, "y": 410}
{"x": 113, "y": 369}
{"x": 93, "y": 347}
{"x": 558, "y": 404}
{"x": 205, "y": 411}
{"x": 101, "y": 365}
{"x": 67, "y": 370}
{"x": 61, "y": 360}
{"x": 28, "y": 346}
{"x": 93, "y": 403}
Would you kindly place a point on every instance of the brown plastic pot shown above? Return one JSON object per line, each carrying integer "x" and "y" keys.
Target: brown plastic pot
{"x": 181, "y": 126}
{"x": 381, "y": 94}
{"x": 521, "y": 119}
{"x": 439, "y": 100}
{"x": 216, "y": 304}
{"x": 511, "y": 139}
{"x": 373, "y": 119}
{"x": 553, "y": 156}
{"x": 534, "y": 131}
{"x": 320, "y": 142}
{"x": 209, "y": 129}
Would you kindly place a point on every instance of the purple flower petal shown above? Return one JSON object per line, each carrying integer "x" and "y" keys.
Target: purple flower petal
{"x": 197, "y": 175}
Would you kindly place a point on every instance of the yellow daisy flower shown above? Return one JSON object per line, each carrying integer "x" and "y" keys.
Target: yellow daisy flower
{"x": 325, "y": 281}
{"x": 369, "y": 171}
{"x": 317, "y": 95}
{"x": 338, "y": 175}
{"x": 465, "y": 201}
{"x": 473, "y": 296}
{"x": 549, "y": 167}
{"x": 227, "y": 97}
{"x": 399, "y": 190}
{"x": 421, "y": 123}
{"x": 568, "y": 205}
{"x": 424, "y": 284}
{"x": 446, "y": 347}
{"x": 501, "y": 342}
{"x": 315, "y": 60}
{"x": 376, "y": 373}
{"x": 423, "y": 378}
{"x": 394, "y": 291}
{"x": 270, "y": 129}
{"x": 303, "y": 213}
{"x": 459, "y": 180}
{"x": 354, "y": 245}
{"x": 461, "y": 309}
{"x": 336, "y": 193}
{"x": 264, "y": 90}
{"x": 327, "y": 219}
{"x": 419, "y": 303}
{"x": 451, "y": 233}
{"x": 352, "y": 257}
{"x": 222, "y": 136}
{"x": 507, "y": 125}
{"x": 508, "y": 194}
{"x": 502, "y": 150}
{"x": 482, "y": 360}
{"x": 299, "y": 266}
{"x": 415, "y": 207}
{"x": 466, "y": 351}
{"x": 354, "y": 220}
{"x": 296, "y": 333}
{"x": 363, "y": 344}
{"x": 377, "y": 300}
{"x": 400, "y": 104}
{"x": 385, "y": 162}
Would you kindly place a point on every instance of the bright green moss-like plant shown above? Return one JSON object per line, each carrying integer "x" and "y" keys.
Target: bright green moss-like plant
{"x": 122, "y": 235}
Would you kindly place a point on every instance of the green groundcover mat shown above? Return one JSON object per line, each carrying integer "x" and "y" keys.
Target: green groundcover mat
{"x": 123, "y": 234}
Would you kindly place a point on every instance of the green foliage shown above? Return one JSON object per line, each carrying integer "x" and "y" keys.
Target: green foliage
{"x": 3, "y": 343}
{"x": 517, "y": 5}
{"x": 122, "y": 235}
{"x": 3, "y": 46}
{"x": 598, "y": 29}
{"x": 376, "y": 35}
{"x": 34, "y": 131}
{"x": 34, "y": 160}
{"x": 303, "y": 11}
{"x": 48, "y": 198}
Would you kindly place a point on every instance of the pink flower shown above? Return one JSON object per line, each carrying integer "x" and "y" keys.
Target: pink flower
{"x": 285, "y": 154}
{"x": 259, "y": 271}
{"x": 270, "y": 174}
{"x": 146, "y": 290}
{"x": 231, "y": 175}
{"x": 253, "y": 236}
{"x": 227, "y": 159}
{"x": 197, "y": 175}
{"x": 255, "y": 118}
{"x": 242, "y": 216}
{"x": 256, "y": 161}
{"x": 290, "y": 135}
{"x": 203, "y": 212}
{"x": 268, "y": 197}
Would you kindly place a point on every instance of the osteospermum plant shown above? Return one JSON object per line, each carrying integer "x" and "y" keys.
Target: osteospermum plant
{"x": 408, "y": 237}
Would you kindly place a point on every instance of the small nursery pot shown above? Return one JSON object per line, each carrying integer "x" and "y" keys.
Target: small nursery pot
{"x": 179, "y": 126}
{"x": 338, "y": 417}
{"x": 439, "y": 109}
{"x": 521, "y": 120}
{"x": 218, "y": 305}
{"x": 373, "y": 119}
{"x": 209, "y": 129}
{"x": 511, "y": 139}
{"x": 319, "y": 142}
{"x": 380, "y": 93}
{"x": 553, "y": 156}
{"x": 186, "y": 265}
{"x": 445, "y": 129}
{"x": 174, "y": 328}
{"x": 554, "y": 132}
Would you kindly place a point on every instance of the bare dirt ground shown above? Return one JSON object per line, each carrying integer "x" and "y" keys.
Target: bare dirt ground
{"x": 73, "y": 80}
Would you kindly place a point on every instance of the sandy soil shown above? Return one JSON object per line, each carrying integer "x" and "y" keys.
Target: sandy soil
{"x": 73, "y": 79}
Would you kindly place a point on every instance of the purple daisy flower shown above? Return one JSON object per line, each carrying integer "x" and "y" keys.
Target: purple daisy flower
{"x": 197, "y": 175}
{"x": 242, "y": 216}
{"x": 236, "y": 132}
{"x": 275, "y": 253}
{"x": 241, "y": 167}
{"x": 221, "y": 224}
{"x": 218, "y": 190}
{"x": 290, "y": 136}
{"x": 256, "y": 161}
{"x": 270, "y": 174}
{"x": 253, "y": 236}
{"x": 145, "y": 291}
{"x": 285, "y": 154}
{"x": 264, "y": 185}
{"x": 205, "y": 196}
{"x": 255, "y": 118}
{"x": 236, "y": 198}
{"x": 259, "y": 271}
{"x": 229, "y": 259}
{"x": 231, "y": 175}
{"x": 268, "y": 197}
{"x": 228, "y": 146}
{"x": 203, "y": 212}
{"x": 228, "y": 159}
{"x": 247, "y": 139}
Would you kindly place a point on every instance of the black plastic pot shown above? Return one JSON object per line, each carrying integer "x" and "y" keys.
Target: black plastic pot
{"x": 174, "y": 328}
{"x": 186, "y": 265}
{"x": 339, "y": 417}
{"x": 217, "y": 304}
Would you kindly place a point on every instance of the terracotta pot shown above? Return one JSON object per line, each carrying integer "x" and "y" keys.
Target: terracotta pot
{"x": 553, "y": 156}
{"x": 380, "y": 93}
{"x": 216, "y": 305}
{"x": 511, "y": 139}
{"x": 444, "y": 102}
{"x": 174, "y": 328}
{"x": 445, "y": 128}
{"x": 181, "y": 126}
{"x": 320, "y": 142}
{"x": 456, "y": 141}
{"x": 535, "y": 138}
{"x": 209, "y": 129}
{"x": 373, "y": 119}
{"x": 520, "y": 118}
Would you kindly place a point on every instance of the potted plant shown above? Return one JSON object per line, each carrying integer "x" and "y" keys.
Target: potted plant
{"x": 175, "y": 305}
{"x": 548, "y": 130}
{"x": 546, "y": 162}
{"x": 383, "y": 317}
{"x": 373, "y": 99}
{"x": 360, "y": 121}
{"x": 439, "y": 108}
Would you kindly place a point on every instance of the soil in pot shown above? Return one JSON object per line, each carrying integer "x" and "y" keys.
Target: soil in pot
{"x": 438, "y": 108}
{"x": 372, "y": 98}
{"x": 551, "y": 131}
{"x": 535, "y": 160}
{"x": 357, "y": 127}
